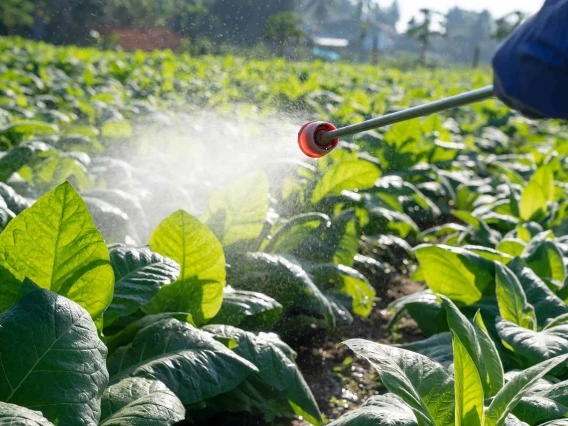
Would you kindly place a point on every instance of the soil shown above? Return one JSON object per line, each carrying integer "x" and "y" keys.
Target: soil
{"x": 340, "y": 381}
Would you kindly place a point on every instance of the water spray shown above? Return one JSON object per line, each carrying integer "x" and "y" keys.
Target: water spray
{"x": 319, "y": 138}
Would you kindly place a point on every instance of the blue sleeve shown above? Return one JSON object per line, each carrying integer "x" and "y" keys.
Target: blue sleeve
{"x": 531, "y": 67}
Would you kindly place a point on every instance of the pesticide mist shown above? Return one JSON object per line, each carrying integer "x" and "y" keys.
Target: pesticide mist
{"x": 179, "y": 160}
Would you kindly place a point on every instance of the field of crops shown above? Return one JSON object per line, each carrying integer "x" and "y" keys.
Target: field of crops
{"x": 166, "y": 253}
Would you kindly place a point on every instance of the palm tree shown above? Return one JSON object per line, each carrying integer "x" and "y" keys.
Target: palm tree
{"x": 423, "y": 30}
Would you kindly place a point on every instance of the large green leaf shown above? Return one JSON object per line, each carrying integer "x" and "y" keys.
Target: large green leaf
{"x": 279, "y": 382}
{"x": 511, "y": 298}
{"x": 538, "y": 192}
{"x": 509, "y": 396}
{"x": 426, "y": 386}
{"x": 486, "y": 360}
{"x": 137, "y": 401}
{"x": 544, "y": 257}
{"x": 15, "y": 415}
{"x": 248, "y": 310}
{"x": 384, "y": 410}
{"x": 468, "y": 387}
{"x": 123, "y": 334}
{"x": 139, "y": 275}
{"x": 56, "y": 245}
{"x": 351, "y": 174}
{"x": 199, "y": 289}
{"x": 535, "y": 346}
{"x": 489, "y": 356}
{"x": 454, "y": 272}
{"x": 238, "y": 212}
{"x": 187, "y": 360}
{"x": 546, "y": 304}
{"x": 544, "y": 405}
{"x": 52, "y": 359}
{"x": 295, "y": 230}
{"x": 284, "y": 280}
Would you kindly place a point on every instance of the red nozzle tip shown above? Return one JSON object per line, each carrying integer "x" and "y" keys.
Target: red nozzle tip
{"x": 307, "y": 139}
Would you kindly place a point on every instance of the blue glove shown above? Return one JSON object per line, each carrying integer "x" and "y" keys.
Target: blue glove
{"x": 531, "y": 67}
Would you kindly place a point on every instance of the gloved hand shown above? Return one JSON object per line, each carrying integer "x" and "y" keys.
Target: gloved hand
{"x": 531, "y": 67}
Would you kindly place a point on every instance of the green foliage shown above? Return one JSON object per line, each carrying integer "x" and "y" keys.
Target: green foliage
{"x": 199, "y": 288}
{"x": 48, "y": 342}
{"x": 55, "y": 244}
{"x": 476, "y": 196}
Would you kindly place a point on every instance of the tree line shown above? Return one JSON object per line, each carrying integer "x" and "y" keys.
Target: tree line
{"x": 250, "y": 22}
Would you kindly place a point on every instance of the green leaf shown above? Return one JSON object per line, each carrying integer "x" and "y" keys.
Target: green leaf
{"x": 199, "y": 289}
{"x": 508, "y": 397}
{"x": 139, "y": 275}
{"x": 293, "y": 233}
{"x": 56, "y": 245}
{"x": 468, "y": 387}
{"x": 238, "y": 212}
{"x": 284, "y": 280}
{"x": 351, "y": 174}
{"x": 511, "y": 246}
{"x": 535, "y": 408}
{"x": 385, "y": 410}
{"x": 187, "y": 360}
{"x": 116, "y": 129}
{"x": 489, "y": 356}
{"x": 336, "y": 242}
{"x": 544, "y": 257}
{"x": 14, "y": 159}
{"x": 538, "y": 192}
{"x": 248, "y": 310}
{"x": 489, "y": 254}
{"x": 546, "y": 304}
{"x": 387, "y": 221}
{"x": 128, "y": 332}
{"x": 52, "y": 359}
{"x": 20, "y": 130}
{"x": 456, "y": 273}
{"x": 489, "y": 368}
{"x": 535, "y": 346}
{"x": 140, "y": 402}
{"x": 279, "y": 380}
{"x": 511, "y": 298}
{"x": 424, "y": 385}
{"x": 424, "y": 307}
{"x": 58, "y": 168}
{"x": 348, "y": 281}
{"x": 15, "y": 415}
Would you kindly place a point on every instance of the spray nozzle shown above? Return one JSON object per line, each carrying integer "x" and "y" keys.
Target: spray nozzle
{"x": 310, "y": 141}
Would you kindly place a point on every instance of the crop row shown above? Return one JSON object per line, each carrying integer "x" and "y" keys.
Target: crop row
{"x": 119, "y": 307}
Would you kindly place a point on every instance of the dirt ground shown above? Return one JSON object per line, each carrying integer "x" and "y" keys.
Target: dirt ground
{"x": 340, "y": 381}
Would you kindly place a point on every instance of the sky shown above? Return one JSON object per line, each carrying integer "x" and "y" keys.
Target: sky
{"x": 409, "y": 8}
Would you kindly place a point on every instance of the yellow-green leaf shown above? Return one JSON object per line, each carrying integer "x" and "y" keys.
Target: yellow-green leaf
{"x": 238, "y": 212}
{"x": 56, "y": 244}
{"x": 352, "y": 174}
{"x": 199, "y": 288}
{"x": 468, "y": 387}
{"x": 538, "y": 192}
